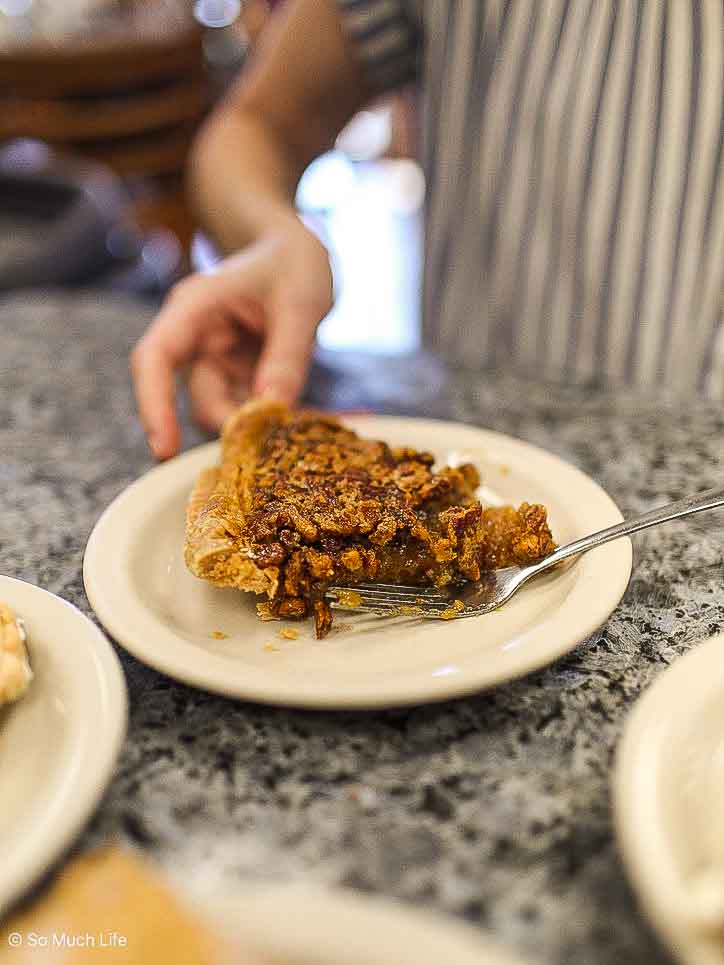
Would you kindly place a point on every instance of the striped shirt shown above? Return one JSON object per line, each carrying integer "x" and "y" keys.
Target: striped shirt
{"x": 575, "y": 205}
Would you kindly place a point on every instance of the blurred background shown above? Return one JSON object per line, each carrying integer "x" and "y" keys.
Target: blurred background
{"x": 99, "y": 103}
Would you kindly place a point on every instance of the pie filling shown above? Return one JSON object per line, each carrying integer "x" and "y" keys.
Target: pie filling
{"x": 314, "y": 504}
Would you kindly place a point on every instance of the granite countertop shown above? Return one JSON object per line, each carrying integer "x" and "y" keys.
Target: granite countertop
{"x": 494, "y": 808}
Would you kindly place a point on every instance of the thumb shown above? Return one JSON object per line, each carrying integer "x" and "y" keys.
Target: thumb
{"x": 282, "y": 367}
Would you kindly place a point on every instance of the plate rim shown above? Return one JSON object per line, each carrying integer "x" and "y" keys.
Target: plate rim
{"x": 392, "y": 918}
{"x": 699, "y": 674}
{"x": 212, "y": 678}
{"x": 76, "y": 797}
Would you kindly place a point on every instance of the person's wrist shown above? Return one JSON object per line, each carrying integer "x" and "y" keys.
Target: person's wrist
{"x": 288, "y": 232}
{"x": 285, "y": 222}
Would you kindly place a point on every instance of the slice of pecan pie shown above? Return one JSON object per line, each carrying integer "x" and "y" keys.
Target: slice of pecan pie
{"x": 15, "y": 672}
{"x": 300, "y": 502}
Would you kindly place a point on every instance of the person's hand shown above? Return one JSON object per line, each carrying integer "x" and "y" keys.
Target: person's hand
{"x": 247, "y": 329}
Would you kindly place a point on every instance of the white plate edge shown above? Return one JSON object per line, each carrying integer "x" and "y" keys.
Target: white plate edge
{"x": 79, "y": 808}
{"x": 642, "y": 843}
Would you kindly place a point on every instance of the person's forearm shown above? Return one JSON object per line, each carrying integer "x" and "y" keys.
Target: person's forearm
{"x": 301, "y": 88}
{"x": 242, "y": 179}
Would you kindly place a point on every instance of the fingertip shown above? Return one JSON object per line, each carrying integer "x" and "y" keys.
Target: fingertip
{"x": 164, "y": 441}
{"x": 160, "y": 449}
{"x": 154, "y": 386}
{"x": 157, "y": 447}
{"x": 277, "y": 386}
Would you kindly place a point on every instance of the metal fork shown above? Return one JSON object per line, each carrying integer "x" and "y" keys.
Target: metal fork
{"x": 497, "y": 586}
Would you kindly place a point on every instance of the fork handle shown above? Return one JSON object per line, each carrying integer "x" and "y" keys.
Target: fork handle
{"x": 709, "y": 499}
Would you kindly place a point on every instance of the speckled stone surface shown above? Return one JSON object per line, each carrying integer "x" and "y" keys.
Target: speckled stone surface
{"x": 495, "y": 808}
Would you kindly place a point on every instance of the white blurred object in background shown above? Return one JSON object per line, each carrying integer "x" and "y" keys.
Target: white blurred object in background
{"x": 370, "y": 216}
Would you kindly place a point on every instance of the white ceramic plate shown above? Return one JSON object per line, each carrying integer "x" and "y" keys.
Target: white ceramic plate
{"x": 325, "y": 927}
{"x": 138, "y": 585}
{"x": 59, "y": 743}
{"x": 669, "y": 803}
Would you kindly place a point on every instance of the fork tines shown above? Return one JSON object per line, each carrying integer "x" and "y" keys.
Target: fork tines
{"x": 388, "y": 597}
